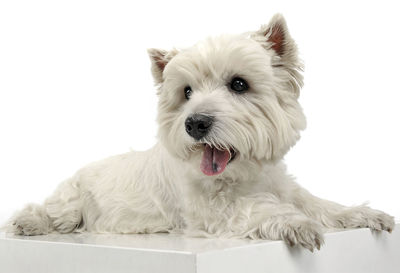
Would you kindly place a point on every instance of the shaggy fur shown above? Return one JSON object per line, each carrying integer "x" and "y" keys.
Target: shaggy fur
{"x": 164, "y": 190}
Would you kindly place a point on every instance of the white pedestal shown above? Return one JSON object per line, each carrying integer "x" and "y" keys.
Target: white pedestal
{"x": 347, "y": 251}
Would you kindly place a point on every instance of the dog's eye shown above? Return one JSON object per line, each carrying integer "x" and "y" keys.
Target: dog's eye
{"x": 239, "y": 85}
{"x": 188, "y": 92}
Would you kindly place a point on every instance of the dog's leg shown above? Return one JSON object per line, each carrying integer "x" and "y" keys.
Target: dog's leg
{"x": 271, "y": 219}
{"x": 259, "y": 216}
{"x": 333, "y": 215}
{"x": 61, "y": 212}
{"x": 64, "y": 207}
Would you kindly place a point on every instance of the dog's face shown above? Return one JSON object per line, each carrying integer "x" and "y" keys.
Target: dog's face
{"x": 230, "y": 102}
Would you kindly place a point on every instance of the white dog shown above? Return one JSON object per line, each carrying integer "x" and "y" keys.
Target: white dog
{"x": 227, "y": 114}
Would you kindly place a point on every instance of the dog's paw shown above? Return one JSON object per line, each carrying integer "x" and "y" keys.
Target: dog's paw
{"x": 30, "y": 221}
{"x": 365, "y": 217}
{"x": 306, "y": 233}
{"x": 379, "y": 220}
{"x": 293, "y": 230}
{"x": 26, "y": 227}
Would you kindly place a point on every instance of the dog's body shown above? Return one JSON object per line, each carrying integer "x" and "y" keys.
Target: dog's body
{"x": 228, "y": 113}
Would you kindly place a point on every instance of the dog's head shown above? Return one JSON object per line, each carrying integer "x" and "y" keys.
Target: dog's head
{"x": 230, "y": 101}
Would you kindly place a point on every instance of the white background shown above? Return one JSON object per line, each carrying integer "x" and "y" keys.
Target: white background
{"x": 75, "y": 86}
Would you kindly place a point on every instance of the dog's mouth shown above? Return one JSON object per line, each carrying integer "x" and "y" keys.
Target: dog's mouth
{"x": 214, "y": 160}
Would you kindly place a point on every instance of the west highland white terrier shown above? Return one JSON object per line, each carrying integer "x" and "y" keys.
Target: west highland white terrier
{"x": 228, "y": 112}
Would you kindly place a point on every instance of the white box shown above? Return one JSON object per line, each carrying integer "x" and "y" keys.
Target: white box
{"x": 352, "y": 251}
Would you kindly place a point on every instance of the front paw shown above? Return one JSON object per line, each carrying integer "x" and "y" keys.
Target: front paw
{"x": 306, "y": 233}
{"x": 294, "y": 230}
{"x": 366, "y": 217}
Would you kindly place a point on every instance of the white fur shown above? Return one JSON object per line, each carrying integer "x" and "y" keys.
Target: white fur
{"x": 163, "y": 189}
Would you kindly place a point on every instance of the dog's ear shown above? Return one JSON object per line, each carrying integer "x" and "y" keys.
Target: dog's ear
{"x": 159, "y": 60}
{"x": 275, "y": 36}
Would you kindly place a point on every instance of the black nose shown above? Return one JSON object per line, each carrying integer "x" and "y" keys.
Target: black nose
{"x": 197, "y": 125}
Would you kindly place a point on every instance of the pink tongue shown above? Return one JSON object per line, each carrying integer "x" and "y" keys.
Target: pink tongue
{"x": 214, "y": 161}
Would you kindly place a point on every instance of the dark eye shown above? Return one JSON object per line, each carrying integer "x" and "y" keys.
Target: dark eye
{"x": 188, "y": 92}
{"x": 239, "y": 85}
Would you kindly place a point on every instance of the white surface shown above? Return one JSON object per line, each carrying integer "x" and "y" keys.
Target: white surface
{"x": 75, "y": 86}
{"x": 346, "y": 251}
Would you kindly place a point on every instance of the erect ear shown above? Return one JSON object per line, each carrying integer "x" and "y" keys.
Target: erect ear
{"x": 159, "y": 60}
{"x": 275, "y": 36}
